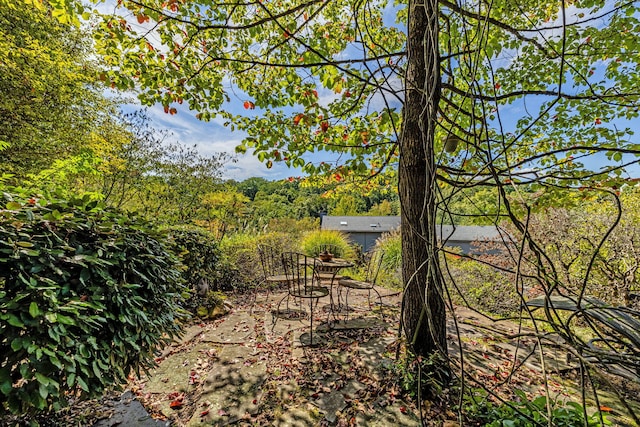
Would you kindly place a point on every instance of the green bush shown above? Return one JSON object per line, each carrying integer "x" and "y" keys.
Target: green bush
{"x": 199, "y": 252}
{"x": 240, "y": 267}
{"x": 201, "y": 257}
{"x": 481, "y": 286}
{"x": 86, "y": 296}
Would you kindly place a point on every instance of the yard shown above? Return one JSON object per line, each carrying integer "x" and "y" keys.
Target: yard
{"x": 242, "y": 369}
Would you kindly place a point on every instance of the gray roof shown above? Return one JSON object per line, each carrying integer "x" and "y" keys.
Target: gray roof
{"x": 384, "y": 224}
{"x": 468, "y": 233}
{"x": 361, "y": 224}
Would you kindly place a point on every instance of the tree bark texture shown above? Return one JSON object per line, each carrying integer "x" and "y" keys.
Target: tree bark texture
{"x": 424, "y": 313}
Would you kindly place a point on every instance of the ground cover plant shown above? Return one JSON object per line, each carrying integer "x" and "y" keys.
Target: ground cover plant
{"x": 524, "y": 411}
{"x": 87, "y": 295}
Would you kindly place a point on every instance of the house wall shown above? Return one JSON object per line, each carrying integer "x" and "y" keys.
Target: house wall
{"x": 365, "y": 240}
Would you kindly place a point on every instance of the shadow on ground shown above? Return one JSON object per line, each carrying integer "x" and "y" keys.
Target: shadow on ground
{"x": 252, "y": 367}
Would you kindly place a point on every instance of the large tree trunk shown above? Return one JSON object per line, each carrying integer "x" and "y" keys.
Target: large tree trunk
{"x": 424, "y": 314}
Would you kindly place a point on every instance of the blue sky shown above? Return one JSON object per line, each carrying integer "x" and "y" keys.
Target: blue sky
{"x": 213, "y": 137}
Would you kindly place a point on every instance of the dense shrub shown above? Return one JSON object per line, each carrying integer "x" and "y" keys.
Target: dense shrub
{"x": 576, "y": 255}
{"x": 199, "y": 252}
{"x": 86, "y": 295}
{"x": 240, "y": 265}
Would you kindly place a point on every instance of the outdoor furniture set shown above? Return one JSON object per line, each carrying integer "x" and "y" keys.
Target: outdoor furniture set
{"x": 311, "y": 277}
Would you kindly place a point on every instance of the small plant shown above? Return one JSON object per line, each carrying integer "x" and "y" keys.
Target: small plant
{"x": 524, "y": 412}
{"x": 86, "y": 295}
{"x": 416, "y": 374}
{"x": 211, "y": 305}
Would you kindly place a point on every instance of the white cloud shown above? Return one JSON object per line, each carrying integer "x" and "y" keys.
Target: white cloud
{"x": 248, "y": 166}
{"x": 213, "y": 137}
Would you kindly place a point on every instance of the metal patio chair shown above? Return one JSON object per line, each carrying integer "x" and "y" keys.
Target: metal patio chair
{"x": 371, "y": 266}
{"x": 272, "y": 270}
{"x": 303, "y": 282}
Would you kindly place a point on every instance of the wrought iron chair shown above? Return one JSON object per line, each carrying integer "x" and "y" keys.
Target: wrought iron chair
{"x": 272, "y": 270}
{"x": 371, "y": 267}
{"x": 302, "y": 282}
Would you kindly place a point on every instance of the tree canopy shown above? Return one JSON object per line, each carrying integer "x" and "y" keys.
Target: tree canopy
{"x": 534, "y": 86}
{"x": 48, "y": 82}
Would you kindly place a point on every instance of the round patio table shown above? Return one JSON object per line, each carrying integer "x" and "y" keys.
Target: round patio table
{"x": 328, "y": 270}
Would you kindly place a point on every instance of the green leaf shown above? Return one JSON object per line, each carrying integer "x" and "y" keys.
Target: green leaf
{"x": 54, "y": 335}
{"x": 83, "y": 385}
{"x": 13, "y": 206}
{"x": 5, "y": 381}
{"x": 71, "y": 378}
{"x": 15, "y": 321}
{"x": 43, "y": 391}
{"x": 16, "y": 344}
{"x": 42, "y": 379}
{"x": 96, "y": 369}
{"x": 34, "y": 311}
{"x": 65, "y": 319}
{"x": 56, "y": 362}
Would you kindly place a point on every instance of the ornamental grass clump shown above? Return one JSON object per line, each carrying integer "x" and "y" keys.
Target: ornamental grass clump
{"x": 87, "y": 295}
{"x": 319, "y": 238}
